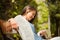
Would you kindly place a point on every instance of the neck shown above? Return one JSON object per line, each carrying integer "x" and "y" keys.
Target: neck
{"x": 25, "y": 17}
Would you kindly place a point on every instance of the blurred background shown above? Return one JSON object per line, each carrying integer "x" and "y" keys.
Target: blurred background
{"x": 48, "y": 17}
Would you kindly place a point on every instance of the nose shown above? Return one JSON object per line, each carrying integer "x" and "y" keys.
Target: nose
{"x": 32, "y": 16}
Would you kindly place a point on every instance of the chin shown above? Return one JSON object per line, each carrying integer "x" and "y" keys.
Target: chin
{"x": 29, "y": 20}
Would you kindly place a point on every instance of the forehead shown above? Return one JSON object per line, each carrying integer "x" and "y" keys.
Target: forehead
{"x": 34, "y": 12}
{"x": 28, "y": 10}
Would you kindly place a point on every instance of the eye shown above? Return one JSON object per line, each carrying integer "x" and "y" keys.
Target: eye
{"x": 28, "y": 11}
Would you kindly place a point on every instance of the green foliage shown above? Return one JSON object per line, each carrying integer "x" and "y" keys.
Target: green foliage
{"x": 42, "y": 15}
{"x": 58, "y": 15}
{"x": 11, "y": 8}
{"x": 54, "y": 7}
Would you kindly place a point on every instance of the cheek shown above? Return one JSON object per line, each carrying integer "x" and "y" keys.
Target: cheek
{"x": 28, "y": 15}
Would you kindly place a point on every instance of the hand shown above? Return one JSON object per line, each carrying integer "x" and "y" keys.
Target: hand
{"x": 13, "y": 23}
{"x": 42, "y": 33}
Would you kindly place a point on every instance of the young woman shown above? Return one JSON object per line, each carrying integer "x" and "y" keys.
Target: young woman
{"x": 18, "y": 24}
{"x": 27, "y": 15}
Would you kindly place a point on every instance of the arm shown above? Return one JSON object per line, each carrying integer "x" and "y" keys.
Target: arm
{"x": 13, "y": 24}
{"x": 42, "y": 33}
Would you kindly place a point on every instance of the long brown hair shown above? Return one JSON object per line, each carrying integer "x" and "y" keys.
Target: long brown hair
{"x": 28, "y": 7}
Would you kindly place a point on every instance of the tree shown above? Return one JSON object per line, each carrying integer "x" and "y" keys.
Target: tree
{"x": 54, "y": 7}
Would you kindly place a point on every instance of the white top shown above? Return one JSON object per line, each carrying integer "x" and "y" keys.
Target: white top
{"x": 24, "y": 28}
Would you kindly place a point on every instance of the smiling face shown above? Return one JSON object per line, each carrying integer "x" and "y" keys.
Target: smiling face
{"x": 29, "y": 12}
{"x": 30, "y": 15}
